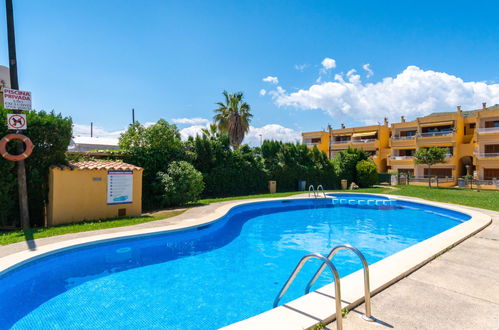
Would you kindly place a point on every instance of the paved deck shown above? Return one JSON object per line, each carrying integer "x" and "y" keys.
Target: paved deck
{"x": 458, "y": 290}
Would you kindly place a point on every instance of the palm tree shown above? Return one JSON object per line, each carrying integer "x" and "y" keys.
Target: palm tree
{"x": 233, "y": 117}
{"x": 211, "y": 131}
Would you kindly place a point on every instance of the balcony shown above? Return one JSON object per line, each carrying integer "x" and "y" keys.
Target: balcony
{"x": 432, "y": 134}
{"x": 401, "y": 157}
{"x": 340, "y": 142}
{"x": 363, "y": 140}
{"x": 408, "y": 142}
{"x": 486, "y": 130}
{"x": 487, "y": 155}
{"x": 397, "y": 138}
{"x": 435, "y": 138}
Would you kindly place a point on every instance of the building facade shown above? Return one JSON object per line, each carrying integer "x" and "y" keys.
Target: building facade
{"x": 470, "y": 138}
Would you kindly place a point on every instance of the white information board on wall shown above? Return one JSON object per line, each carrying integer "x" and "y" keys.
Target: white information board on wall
{"x": 119, "y": 187}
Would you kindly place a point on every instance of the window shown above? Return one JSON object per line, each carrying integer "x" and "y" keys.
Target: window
{"x": 492, "y": 149}
{"x": 439, "y": 172}
{"x": 316, "y": 140}
{"x": 490, "y": 124}
{"x": 490, "y": 173}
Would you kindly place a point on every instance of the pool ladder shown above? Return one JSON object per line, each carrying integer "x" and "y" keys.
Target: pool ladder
{"x": 311, "y": 189}
{"x": 327, "y": 262}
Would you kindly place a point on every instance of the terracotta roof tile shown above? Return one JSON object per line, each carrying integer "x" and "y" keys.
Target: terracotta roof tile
{"x": 101, "y": 165}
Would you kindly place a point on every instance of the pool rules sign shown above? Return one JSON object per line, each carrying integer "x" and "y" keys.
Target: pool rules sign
{"x": 119, "y": 187}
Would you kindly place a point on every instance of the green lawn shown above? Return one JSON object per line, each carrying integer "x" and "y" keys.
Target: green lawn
{"x": 34, "y": 233}
{"x": 481, "y": 199}
{"x": 485, "y": 199}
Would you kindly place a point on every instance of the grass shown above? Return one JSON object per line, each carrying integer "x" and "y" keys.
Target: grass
{"x": 34, "y": 233}
{"x": 482, "y": 199}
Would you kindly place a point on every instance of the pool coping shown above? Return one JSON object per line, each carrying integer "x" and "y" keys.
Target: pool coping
{"x": 307, "y": 311}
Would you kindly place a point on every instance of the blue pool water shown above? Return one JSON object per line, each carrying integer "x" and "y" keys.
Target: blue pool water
{"x": 211, "y": 276}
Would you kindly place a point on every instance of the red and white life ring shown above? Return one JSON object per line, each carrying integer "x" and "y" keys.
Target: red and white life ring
{"x": 16, "y": 158}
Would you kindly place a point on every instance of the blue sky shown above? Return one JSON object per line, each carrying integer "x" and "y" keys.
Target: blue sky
{"x": 95, "y": 60}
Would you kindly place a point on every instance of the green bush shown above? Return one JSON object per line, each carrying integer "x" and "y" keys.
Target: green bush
{"x": 366, "y": 173}
{"x": 51, "y": 134}
{"x": 152, "y": 148}
{"x": 181, "y": 184}
{"x": 345, "y": 163}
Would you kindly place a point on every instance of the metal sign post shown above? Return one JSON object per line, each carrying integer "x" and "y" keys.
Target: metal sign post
{"x": 14, "y": 84}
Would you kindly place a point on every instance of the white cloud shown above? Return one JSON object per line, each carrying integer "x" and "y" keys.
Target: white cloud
{"x": 271, "y": 132}
{"x": 270, "y": 79}
{"x": 80, "y": 130}
{"x": 328, "y": 63}
{"x": 413, "y": 92}
{"x": 192, "y": 131}
{"x": 263, "y": 92}
{"x": 191, "y": 121}
{"x": 300, "y": 67}
{"x": 268, "y": 132}
{"x": 370, "y": 72}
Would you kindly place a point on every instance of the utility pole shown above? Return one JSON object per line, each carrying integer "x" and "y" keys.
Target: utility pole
{"x": 14, "y": 84}
{"x": 91, "y": 129}
{"x": 133, "y": 116}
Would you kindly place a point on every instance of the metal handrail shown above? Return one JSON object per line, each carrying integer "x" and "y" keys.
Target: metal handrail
{"x": 367, "y": 290}
{"x": 321, "y": 188}
{"x": 337, "y": 291}
{"x": 311, "y": 188}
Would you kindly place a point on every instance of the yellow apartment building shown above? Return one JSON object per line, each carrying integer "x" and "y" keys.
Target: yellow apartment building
{"x": 471, "y": 139}
{"x": 320, "y": 139}
{"x": 372, "y": 139}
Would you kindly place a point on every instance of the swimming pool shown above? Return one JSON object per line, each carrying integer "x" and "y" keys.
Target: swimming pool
{"x": 212, "y": 275}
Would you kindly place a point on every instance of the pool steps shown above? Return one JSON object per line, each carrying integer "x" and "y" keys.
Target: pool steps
{"x": 364, "y": 202}
{"x": 328, "y": 262}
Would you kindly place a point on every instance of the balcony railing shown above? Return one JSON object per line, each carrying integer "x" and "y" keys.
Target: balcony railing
{"x": 432, "y": 134}
{"x": 434, "y": 179}
{"x": 311, "y": 144}
{"x": 401, "y": 157}
{"x": 487, "y": 155}
{"x": 363, "y": 140}
{"x": 340, "y": 142}
{"x": 485, "y": 130}
{"x": 411, "y": 137}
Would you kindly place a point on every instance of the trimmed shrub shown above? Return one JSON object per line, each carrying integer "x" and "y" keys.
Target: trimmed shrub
{"x": 181, "y": 184}
{"x": 366, "y": 173}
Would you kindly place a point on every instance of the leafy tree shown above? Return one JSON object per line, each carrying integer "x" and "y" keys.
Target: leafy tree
{"x": 233, "y": 117}
{"x": 133, "y": 137}
{"x": 366, "y": 173}
{"x": 51, "y": 135}
{"x": 181, "y": 184}
{"x": 345, "y": 163}
{"x": 153, "y": 148}
{"x": 429, "y": 157}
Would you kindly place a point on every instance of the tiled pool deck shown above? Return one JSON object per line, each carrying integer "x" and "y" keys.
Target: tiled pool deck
{"x": 458, "y": 290}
